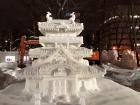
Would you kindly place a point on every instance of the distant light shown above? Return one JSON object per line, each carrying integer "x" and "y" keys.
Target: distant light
{"x": 111, "y": 18}
{"x": 114, "y": 47}
{"x": 6, "y": 41}
{"x": 137, "y": 27}
{"x": 136, "y": 16}
{"x": 138, "y": 44}
{"x": 129, "y": 51}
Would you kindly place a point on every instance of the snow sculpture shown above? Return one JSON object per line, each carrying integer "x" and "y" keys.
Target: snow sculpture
{"x": 104, "y": 56}
{"x": 60, "y": 70}
{"x": 72, "y": 18}
{"x": 128, "y": 60}
{"x": 48, "y": 17}
{"x": 113, "y": 55}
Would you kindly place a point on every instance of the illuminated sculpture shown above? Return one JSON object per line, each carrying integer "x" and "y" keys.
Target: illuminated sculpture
{"x": 60, "y": 69}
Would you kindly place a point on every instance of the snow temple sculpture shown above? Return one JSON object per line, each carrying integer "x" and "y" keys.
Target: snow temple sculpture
{"x": 60, "y": 69}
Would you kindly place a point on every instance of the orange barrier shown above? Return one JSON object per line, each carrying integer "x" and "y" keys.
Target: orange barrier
{"x": 95, "y": 55}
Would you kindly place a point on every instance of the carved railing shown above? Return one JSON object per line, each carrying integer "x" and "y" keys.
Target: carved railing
{"x": 60, "y": 26}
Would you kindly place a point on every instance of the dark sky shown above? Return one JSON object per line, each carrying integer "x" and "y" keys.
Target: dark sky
{"x": 19, "y": 14}
{"x": 14, "y": 14}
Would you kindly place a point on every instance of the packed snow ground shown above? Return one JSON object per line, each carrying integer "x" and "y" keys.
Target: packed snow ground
{"x": 110, "y": 93}
{"x": 123, "y": 76}
{"x": 11, "y": 69}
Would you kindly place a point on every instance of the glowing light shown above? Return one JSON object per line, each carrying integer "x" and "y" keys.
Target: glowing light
{"x": 138, "y": 44}
{"x": 6, "y": 41}
{"x": 129, "y": 51}
{"x": 137, "y": 27}
{"x": 111, "y": 18}
{"x": 136, "y": 16}
{"x": 114, "y": 47}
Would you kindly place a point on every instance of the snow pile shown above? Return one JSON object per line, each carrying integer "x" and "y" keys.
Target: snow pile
{"x": 136, "y": 75}
{"x": 5, "y": 80}
{"x": 124, "y": 76}
{"x": 114, "y": 94}
{"x": 11, "y": 69}
{"x": 9, "y": 73}
{"x": 8, "y": 68}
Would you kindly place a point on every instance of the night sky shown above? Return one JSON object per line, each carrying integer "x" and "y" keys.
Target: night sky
{"x": 18, "y": 16}
{"x": 13, "y": 14}
{"x": 20, "y": 13}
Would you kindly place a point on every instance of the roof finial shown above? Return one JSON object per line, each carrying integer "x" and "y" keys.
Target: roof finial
{"x": 72, "y": 18}
{"x": 48, "y": 16}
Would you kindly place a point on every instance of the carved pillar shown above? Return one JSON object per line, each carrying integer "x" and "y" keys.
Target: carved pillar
{"x": 37, "y": 98}
{"x": 76, "y": 85}
{"x": 65, "y": 86}
{"x": 66, "y": 91}
{"x": 68, "y": 45}
{"x": 59, "y": 87}
{"x": 82, "y": 100}
{"x": 45, "y": 87}
{"x": 54, "y": 91}
{"x": 27, "y": 85}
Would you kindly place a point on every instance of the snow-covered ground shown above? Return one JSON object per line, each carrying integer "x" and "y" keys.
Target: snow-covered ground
{"x": 11, "y": 69}
{"x": 110, "y": 93}
{"x": 124, "y": 76}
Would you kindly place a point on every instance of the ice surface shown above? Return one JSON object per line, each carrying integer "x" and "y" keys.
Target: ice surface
{"x": 110, "y": 93}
